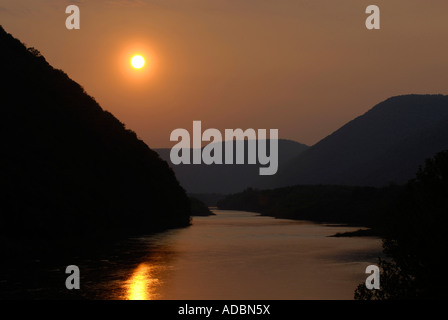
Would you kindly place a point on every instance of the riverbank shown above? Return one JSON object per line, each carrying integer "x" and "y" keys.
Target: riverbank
{"x": 364, "y": 207}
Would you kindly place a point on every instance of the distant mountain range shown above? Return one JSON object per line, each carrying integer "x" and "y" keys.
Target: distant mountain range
{"x": 385, "y": 145}
{"x": 202, "y": 178}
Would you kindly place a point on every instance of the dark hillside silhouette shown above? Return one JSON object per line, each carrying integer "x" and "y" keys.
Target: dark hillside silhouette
{"x": 198, "y": 208}
{"x": 386, "y": 144}
{"x": 71, "y": 170}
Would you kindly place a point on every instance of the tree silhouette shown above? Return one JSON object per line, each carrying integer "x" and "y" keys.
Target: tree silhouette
{"x": 416, "y": 242}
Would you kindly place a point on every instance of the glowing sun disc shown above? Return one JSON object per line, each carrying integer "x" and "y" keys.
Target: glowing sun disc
{"x": 138, "y": 62}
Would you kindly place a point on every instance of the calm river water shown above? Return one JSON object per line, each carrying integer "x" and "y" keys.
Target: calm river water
{"x": 232, "y": 255}
{"x": 238, "y": 255}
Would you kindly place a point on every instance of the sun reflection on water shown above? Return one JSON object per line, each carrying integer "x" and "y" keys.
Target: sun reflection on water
{"x": 142, "y": 284}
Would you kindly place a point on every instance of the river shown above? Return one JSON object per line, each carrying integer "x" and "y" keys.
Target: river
{"x": 239, "y": 255}
{"x": 232, "y": 255}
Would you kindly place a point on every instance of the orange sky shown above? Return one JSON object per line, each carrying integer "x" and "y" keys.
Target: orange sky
{"x": 304, "y": 67}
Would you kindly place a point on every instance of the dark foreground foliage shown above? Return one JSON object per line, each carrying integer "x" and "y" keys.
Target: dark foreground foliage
{"x": 416, "y": 239}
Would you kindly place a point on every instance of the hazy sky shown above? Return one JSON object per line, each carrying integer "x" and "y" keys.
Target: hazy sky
{"x": 304, "y": 67}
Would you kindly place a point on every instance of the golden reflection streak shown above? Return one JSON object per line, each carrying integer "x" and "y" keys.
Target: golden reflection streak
{"x": 141, "y": 285}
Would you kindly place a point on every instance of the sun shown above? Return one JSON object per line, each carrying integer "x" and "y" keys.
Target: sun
{"x": 138, "y": 62}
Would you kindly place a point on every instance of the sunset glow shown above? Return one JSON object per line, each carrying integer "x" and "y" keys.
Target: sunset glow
{"x": 138, "y": 62}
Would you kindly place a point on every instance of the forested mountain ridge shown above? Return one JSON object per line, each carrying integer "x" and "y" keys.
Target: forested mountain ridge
{"x": 69, "y": 168}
